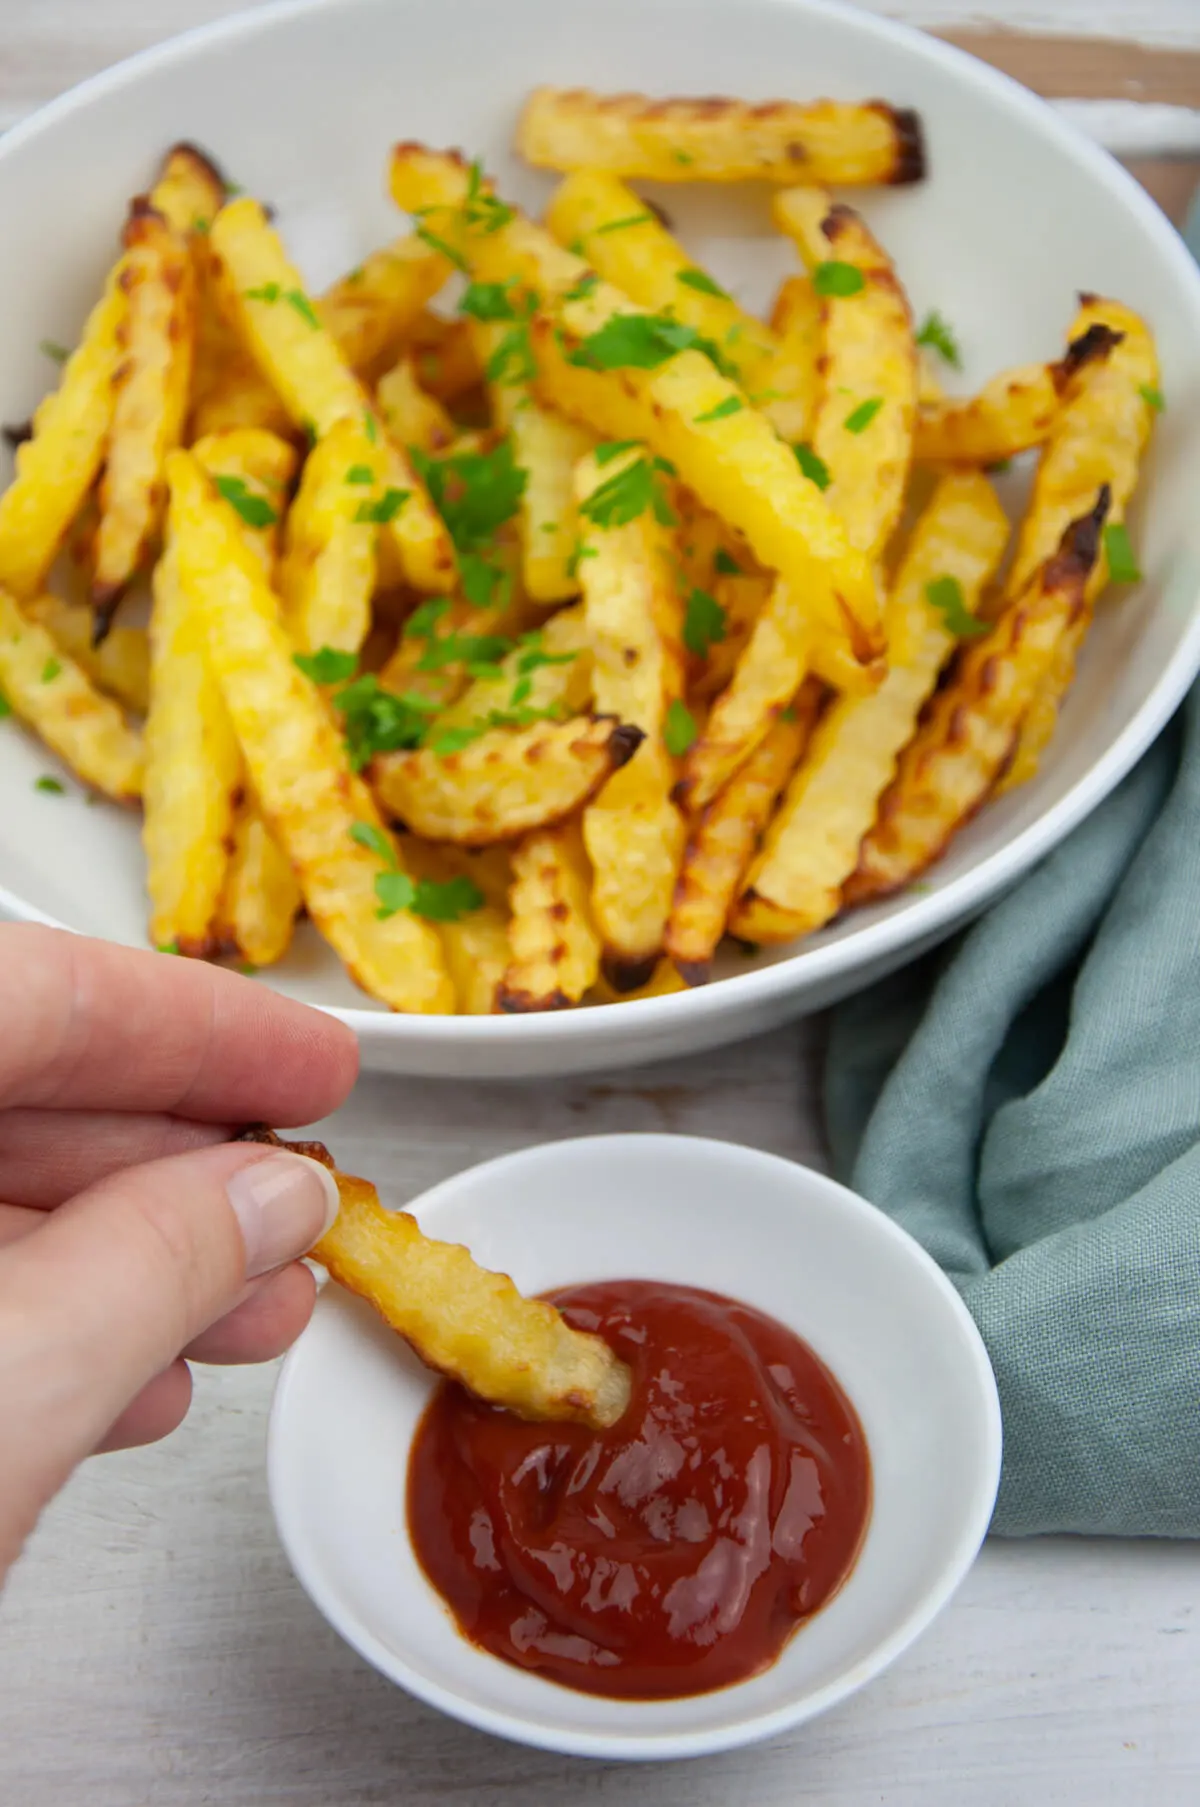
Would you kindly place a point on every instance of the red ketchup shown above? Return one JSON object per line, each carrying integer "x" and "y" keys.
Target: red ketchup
{"x": 677, "y": 1551}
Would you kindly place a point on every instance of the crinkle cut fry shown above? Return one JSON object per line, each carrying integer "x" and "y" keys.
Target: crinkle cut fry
{"x": 554, "y": 948}
{"x": 725, "y": 835}
{"x": 463, "y": 1320}
{"x": 719, "y": 140}
{"x": 961, "y": 749}
{"x": 690, "y": 414}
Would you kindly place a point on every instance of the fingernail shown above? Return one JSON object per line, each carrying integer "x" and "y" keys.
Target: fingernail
{"x": 283, "y": 1204}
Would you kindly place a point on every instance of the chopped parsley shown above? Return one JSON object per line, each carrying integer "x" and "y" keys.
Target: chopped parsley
{"x": 488, "y": 300}
{"x": 639, "y": 342}
{"x": 51, "y": 786}
{"x": 297, "y": 299}
{"x": 51, "y": 349}
{"x": 860, "y": 418}
{"x": 1153, "y": 398}
{"x": 370, "y": 426}
{"x": 484, "y": 213}
{"x": 376, "y": 721}
{"x": 448, "y": 251}
{"x": 575, "y": 558}
{"x": 443, "y": 741}
{"x": 628, "y": 493}
{"x": 5, "y": 706}
{"x": 938, "y": 334}
{"x": 1122, "y": 561}
{"x": 579, "y": 291}
{"x": 168, "y": 947}
{"x": 480, "y": 653}
{"x": 613, "y": 448}
{"x": 360, "y": 474}
{"x": 374, "y": 840}
{"x": 256, "y": 511}
{"x": 513, "y": 360}
{"x": 425, "y": 617}
{"x": 483, "y": 583}
{"x": 630, "y": 219}
{"x": 945, "y": 594}
{"x": 51, "y": 670}
{"x": 682, "y": 157}
{"x": 725, "y": 564}
{"x": 396, "y": 891}
{"x": 733, "y": 404}
{"x": 384, "y": 508}
{"x": 268, "y": 291}
{"x": 838, "y": 279}
{"x": 679, "y": 729}
{"x": 702, "y": 282}
{"x": 703, "y": 623}
{"x": 327, "y": 665}
{"x": 814, "y": 468}
{"x": 474, "y": 492}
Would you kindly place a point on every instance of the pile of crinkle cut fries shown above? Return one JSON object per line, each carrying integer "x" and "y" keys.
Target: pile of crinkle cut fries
{"x": 534, "y": 646}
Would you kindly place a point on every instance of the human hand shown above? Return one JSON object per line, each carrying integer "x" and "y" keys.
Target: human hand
{"x": 133, "y": 1233}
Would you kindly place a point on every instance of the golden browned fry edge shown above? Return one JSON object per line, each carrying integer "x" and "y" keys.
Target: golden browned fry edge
{"x": 507, "y": 783}
{"x": 461, "y": 1319}
{"x": 963, "y": 746}
{"x": 725, "y": 836}
{"x": 554, "y": 946}
{"x": 715, "y": 139}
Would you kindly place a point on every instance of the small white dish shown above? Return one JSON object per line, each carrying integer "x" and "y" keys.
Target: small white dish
{"x": 860, "y": 1291}
{"x": 301, "y": 103}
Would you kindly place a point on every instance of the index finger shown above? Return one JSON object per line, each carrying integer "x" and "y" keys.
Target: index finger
{"x": 92, "y": 1026}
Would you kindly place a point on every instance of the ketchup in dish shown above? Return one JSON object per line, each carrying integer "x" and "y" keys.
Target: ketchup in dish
{"x": 677, "y": 1551}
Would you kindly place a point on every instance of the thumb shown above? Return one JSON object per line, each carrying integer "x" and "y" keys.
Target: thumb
{"x": 118, "y": 1281}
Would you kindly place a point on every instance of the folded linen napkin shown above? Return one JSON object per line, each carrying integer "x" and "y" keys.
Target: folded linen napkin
{"x": 1027, "y": 1104}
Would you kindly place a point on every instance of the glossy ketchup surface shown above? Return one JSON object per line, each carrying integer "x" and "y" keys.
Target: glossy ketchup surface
{"x": 675, "y": 1552}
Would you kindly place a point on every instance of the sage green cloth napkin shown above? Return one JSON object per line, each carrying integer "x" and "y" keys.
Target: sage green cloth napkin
{"x": 1027, "y": 1104}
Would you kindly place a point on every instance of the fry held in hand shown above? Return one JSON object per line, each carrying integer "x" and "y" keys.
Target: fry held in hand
{"x": 461, "y": 1319}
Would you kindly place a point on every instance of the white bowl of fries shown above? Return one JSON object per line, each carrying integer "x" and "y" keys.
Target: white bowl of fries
{"x": 863, "y": 1295}
{"x": 686, "y": 611}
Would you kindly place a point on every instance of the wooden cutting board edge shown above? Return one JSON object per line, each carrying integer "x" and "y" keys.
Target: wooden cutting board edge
{"x": 1103, "y": 69}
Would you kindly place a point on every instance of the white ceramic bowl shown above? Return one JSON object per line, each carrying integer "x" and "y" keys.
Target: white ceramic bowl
{"x": 860, "y": 1291}
{"x": 301, "y": 103}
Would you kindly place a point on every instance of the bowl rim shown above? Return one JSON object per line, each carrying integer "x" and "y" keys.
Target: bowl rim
{"x": 922, "y": 920}
{"x": 655, "y": 1148}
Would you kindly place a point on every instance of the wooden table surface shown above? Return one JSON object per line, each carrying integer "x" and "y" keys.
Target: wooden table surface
{"x": 154, "y": 1647}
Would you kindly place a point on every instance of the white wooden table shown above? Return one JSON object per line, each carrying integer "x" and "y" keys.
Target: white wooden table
{"x": 154, "y": 1648}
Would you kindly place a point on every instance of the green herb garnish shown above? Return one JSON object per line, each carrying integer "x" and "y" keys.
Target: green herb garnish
{"x": 269, "y": 291}
{"x": 860, "y": 418}
{"x": 50, "y": 786}
{"x": 255, "y": 510}
{"x": 630, "y": 219}
{"x": 296, "y": 298}
{"x": 702, "y": 282}
{"x": 814, "y": 468}
{"x": 51, "y": 349}
{"x": 488, "y": 300}
{"x": 384, "y": 508}
{"x": 1122, "y": 561}
{"x": 945, "y": 594}
{"x": 725, "y": 563}
{"x": 733, "y": 404}
{"x": 360, "y": 474}
{"x": 628, "y": 493}
{"x": 938, "y": 334}
{"x": 474, "y": 492}
{"x": 376, "y": 721}
{"x": 839, "y": 279}
{"x": 51, "y": 670}
{"x": 374, "y": 839}
{"x": 703, "y": 623}
{"x": 450, "y": 252}
{"x": 679, "y": 729}
{"x": 1153, "y": 398}
{"x": 639, "y": 342}
{"x": 327, "y": 665}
